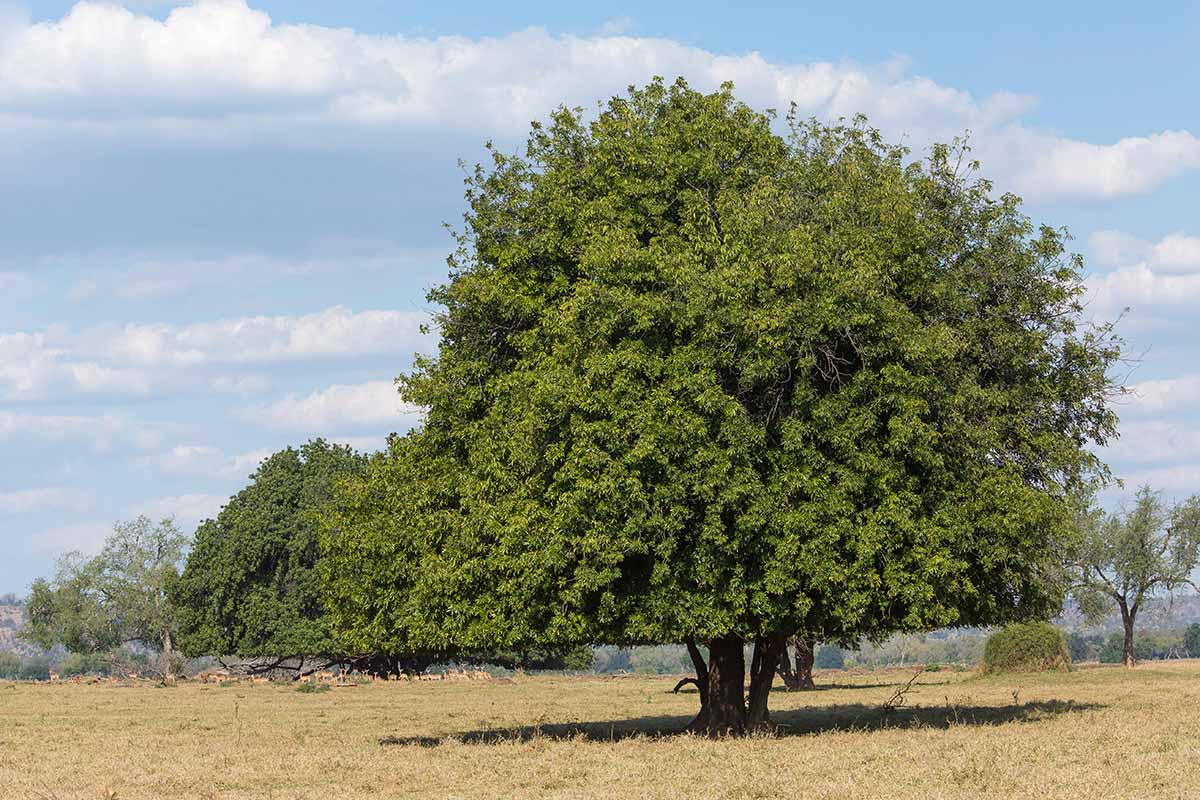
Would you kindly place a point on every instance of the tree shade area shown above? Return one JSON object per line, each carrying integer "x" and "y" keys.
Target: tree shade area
{"x": 702, "y": 383}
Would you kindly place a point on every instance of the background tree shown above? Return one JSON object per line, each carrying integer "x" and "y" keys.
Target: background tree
{"x": 799, "y": 677}
{"x": 119, "y": 597}
{"x": 1124, "y": 558}
{"x": 1191, "y": 640}
{"x": 699, "y": 382}
{"x": 251, "y": 584}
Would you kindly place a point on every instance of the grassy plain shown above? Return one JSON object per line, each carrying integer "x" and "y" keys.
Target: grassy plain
{"x": 1098, "y": 732}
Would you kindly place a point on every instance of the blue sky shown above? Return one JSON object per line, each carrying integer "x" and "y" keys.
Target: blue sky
{"x": 221, "y": 219}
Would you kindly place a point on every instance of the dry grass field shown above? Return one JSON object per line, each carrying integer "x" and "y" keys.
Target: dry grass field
{"x": 1098, "y": 732}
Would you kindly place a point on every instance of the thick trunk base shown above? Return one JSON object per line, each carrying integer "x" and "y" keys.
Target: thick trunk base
{"x": 800, "y": 678}
{"x": 725, "y": 708}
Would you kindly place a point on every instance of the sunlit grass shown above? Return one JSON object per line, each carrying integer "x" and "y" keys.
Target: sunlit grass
{"x": 1098, "y": 732}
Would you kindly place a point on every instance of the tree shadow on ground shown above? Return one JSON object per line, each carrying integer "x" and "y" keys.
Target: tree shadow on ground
{"x": 798, "y": 722}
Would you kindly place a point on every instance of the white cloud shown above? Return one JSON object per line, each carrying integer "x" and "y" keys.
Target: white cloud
{"x": 1175, "y": 253}
{"x": 188, "y": 510}
{"x": 375, "y": 404}
{"x": 1168, "y": 394}
{"x": 136, "y": 359}
{"x": 217, "y": 68}
{"x": 32, "y": 368}
{"x": 335, "y": 331}
{"x": 52, "y": 498}
{"x": 1056, "y": 167}
{"x": 1148, "y": 293}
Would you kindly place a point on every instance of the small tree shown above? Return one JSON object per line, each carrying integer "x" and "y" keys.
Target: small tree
{"x": 251, "y": 585}
{"x": 1191, "y": 640}
{"x": 95, "y": 605}
{"x": 1124, "y": 558}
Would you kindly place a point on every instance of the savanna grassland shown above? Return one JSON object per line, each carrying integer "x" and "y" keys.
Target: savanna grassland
{"x": 1094, "y": 732}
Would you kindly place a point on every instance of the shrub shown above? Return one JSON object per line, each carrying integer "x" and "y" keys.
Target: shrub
{"x": 1026, "y": 647}
{"x": 312, "y": 688}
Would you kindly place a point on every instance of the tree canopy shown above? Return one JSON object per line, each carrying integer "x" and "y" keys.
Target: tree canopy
{"x": 1125, "y": 557}
{"x": 699, "y": 381}
{"x": 118, "y": 597}
{"x": 251, "y": 584}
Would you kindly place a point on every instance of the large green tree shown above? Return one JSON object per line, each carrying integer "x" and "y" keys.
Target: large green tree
{"x": 118, "y": 597}
{"x": 701, "y": 382}
{"x": 1124, "y": 558}
{"x": 251, "y": 584}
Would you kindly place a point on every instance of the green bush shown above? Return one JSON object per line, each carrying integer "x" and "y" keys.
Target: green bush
{"x": 1026, "y": 647}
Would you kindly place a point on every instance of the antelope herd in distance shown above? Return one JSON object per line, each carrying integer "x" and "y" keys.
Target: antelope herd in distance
{"x": 324, "y": 677}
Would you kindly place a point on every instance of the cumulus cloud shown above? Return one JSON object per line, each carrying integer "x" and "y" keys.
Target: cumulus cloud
{"x": 335, "y": 331}
{"x": 218, "y": 68}
{"x": 1055, "y": 167}
{"x": 1174, "y": 253}
{"x": 1157, "y": 280}
{"x": 32, "y": 368}
{"x": 136, "y": 359}
{"x": 374, "y": 404}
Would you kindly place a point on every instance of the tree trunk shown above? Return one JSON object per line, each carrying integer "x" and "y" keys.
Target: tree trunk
{"x": 1127, "y": 618}
{"x": 724, "y": 709}
{"x": 700, "y": 723}
{"x": 168, "y": 656}
{"x": 767, "y": 652}
{"x": 805, "y": 653}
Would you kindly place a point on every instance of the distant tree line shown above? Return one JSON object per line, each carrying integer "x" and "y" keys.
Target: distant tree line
{"x": 246, "y": 588}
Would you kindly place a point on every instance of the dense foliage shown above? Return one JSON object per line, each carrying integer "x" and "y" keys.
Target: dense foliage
{"x": 1026, "y": 647}
{"x": 700, "y": 382}
{"x": 251, "y": 584}
{"x": 1125, "y": 557}
{"x": 119, "y": 597}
